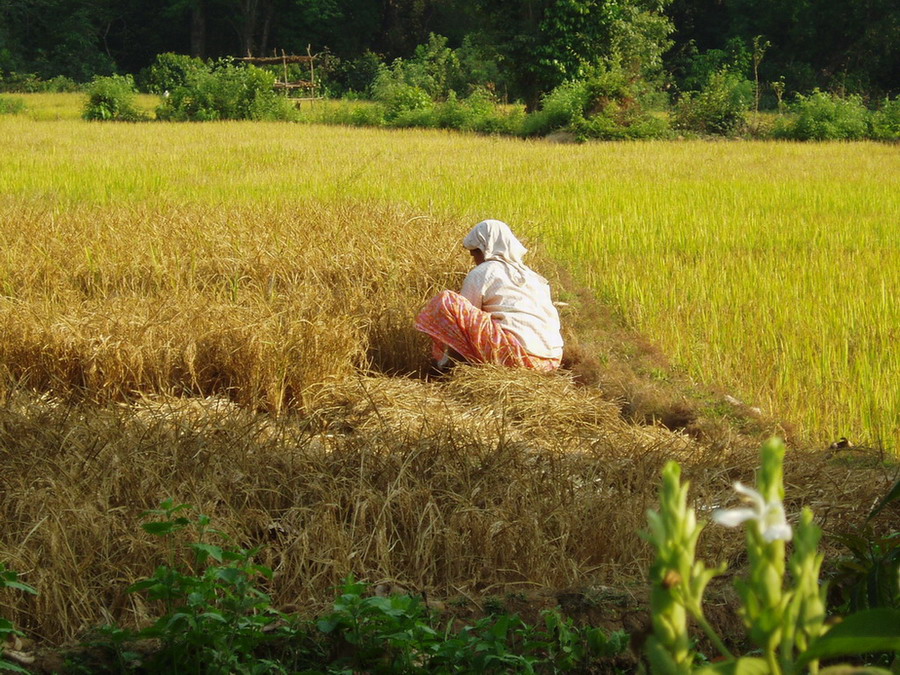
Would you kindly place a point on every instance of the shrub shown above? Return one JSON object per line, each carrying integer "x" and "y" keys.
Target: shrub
{"x": 214, "y": 613}
{"x": 226, "y": 92}
{"x": 886, "y": 121}
{"x": 559, "y": 109}
{"x": 398, "y": 634}
{"x": 370, "y": 116}
{"x": 60, "y": 84}
{"x": 31, "y": 83}
{"x": 112, "y": 98}
{"x": 170, "y": 71}
{"x": 480, "y": 113}
{"x": 613, "y": 109}
{"x": 414, "y": 117}
{"x": 352, "y": 76}
{"x": 719, "y": 108}
{"x": 438, "y": 67}
{"x": 9, "y": 105}
{"x": 606, "y": 105}
{"x": 399, "y": 97}
{"x": 479, "y": 63}
{"x": 822, "y": 116}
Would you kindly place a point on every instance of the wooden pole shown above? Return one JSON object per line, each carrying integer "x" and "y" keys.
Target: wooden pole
{"x": 312, "y": 70}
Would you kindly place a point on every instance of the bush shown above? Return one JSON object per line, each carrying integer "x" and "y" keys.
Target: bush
{"x": 414, "y": 117}
{"x": 613, "y": 109}
{"x": 352, "y": 76}
{"x": 606, "y": 105}
{"x": 886, "y": 121}
{"x": 226, "y": 92}
{"x": 479, "y": 112}
{"x": 822, "y": 117}
{"x": 559, "y": 109}
{"x": 368, "y": 116}
{"x": 719, "y": 108}
{"x": 30, "y": 83}
{"x": 111, "y": 98}
{"x": 438, "y": 67}
{"x": 10, "y": 105}
{"x": 398, "y": 96}
{"x": 170, "y": 71}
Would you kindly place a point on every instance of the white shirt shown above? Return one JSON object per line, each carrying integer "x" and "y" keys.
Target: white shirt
{"x": 526, "y": 311}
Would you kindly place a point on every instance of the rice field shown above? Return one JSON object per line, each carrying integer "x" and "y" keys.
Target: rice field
{"x": 769, "y": 270}
{"x": 218, "y": 313}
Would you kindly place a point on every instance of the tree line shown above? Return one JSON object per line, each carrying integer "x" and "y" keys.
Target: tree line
{"x": 525, "y": 47}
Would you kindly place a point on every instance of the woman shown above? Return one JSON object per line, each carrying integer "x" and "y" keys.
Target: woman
{"x": 503, "y": 314}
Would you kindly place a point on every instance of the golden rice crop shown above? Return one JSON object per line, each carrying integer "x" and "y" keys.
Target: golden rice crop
{"x": 766, "y": 268}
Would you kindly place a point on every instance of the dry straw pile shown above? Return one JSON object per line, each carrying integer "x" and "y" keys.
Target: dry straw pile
{"x": 493, "y": 481}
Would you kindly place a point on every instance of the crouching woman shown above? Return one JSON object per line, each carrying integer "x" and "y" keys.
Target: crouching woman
{"x": 503, "y": 314}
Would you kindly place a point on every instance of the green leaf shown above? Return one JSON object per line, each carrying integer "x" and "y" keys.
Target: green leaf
{"x": 139, "y": 586}
{"x": 20, "y": 587}
{"x": 660, "y": 660}
{"x": 214, "y": 552}
{"x": 159, "y": 529}
{"x": 874, "y": 630}
{"x": 228, "y": 574}
{"x": 888, "y": 498}
{"x": 743, "y": 666}
{"x": 214, "y": 616}
{"x": 11, "y": 667}
{"x": 328, "y": 625}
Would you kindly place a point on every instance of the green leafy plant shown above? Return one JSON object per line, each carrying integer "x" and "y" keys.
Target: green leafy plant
{"x": 886, "y": 120}
{"x": 170, "y": 71}
{"x": 10, "y": 579}
{"x": 559, "y": 109}
{"x": 867, "y": 578}
{"x": 112, "y": 99}
{"x": 386, "y": 634}
{"x": 720, "y": 107}
{"x": 785, "y": 621}
{"x": 226, "y": 92}
{"x": 822, "y": 117}
{"x": 398, "y": 634}
{"x": 10, "y": 105}
{"x": 213, "y": 613}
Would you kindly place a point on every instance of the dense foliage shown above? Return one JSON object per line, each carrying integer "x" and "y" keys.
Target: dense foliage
{"x": 112, "y": 98}
{"x": 523, "y": 48}
{"x": 214, "y": 617}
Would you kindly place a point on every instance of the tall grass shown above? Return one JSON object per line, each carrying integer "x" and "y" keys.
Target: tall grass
{"x": 768, "y": 269}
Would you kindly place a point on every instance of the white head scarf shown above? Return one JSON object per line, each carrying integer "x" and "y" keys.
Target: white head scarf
{"x": 497, "y": 242}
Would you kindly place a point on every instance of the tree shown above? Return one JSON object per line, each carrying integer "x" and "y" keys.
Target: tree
{"x": 546, "y": 42}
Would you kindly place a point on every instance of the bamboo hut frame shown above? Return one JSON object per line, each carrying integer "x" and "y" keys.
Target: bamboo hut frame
{"x": 284, "y": 83}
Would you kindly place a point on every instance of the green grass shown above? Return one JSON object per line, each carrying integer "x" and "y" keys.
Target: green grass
{"x": 44, "y": 107}
{"x": 767, "y": 268}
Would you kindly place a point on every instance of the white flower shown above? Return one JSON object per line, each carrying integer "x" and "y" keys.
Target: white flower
{"x": 769, "y": 516}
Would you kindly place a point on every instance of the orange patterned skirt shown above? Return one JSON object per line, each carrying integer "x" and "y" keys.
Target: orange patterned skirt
{"x": 451, "y": 320}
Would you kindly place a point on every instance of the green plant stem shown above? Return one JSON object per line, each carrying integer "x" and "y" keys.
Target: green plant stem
{"x": 774, "y": 666}
{"x": 712, "y": 635}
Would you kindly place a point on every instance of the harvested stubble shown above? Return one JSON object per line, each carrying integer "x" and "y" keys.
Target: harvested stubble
{"x": 489, "y": 482}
